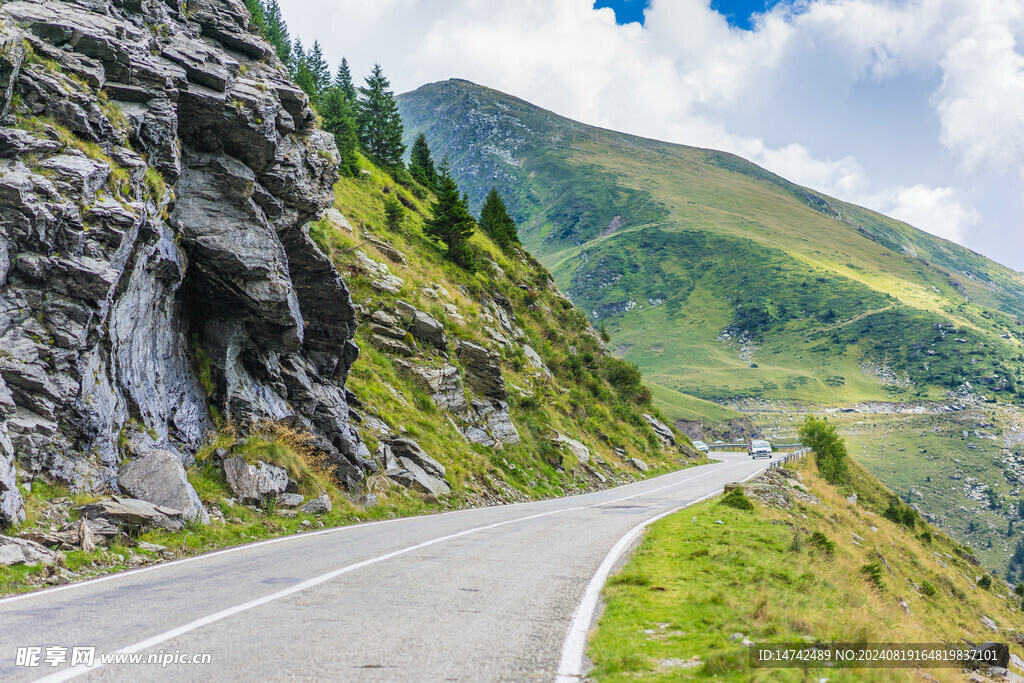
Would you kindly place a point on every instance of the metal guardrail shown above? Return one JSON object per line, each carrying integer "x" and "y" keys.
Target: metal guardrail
{"x": 790, "y": 457}
{"x": 743, "y": 446}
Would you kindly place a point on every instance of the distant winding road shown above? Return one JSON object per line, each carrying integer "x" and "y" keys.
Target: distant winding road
{"x": 490, "y": 594}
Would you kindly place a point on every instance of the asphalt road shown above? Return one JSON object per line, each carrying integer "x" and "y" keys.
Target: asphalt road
{"x": 476, "y": 595}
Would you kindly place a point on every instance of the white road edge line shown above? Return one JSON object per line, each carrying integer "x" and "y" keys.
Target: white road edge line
{"x": 74, "y": 672}
{"x": 570, "y": 667}
{"x": 282, "y": 539}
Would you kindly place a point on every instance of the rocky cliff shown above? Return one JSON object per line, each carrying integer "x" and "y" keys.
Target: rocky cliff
{"x": 158, "y": 173}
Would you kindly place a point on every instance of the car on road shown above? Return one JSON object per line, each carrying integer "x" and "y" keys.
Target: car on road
{"x": 759, "y": 449}
{"x": 700, "y": 446}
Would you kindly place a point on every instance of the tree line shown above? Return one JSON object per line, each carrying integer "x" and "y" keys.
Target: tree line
{"x": 366, "y": 119}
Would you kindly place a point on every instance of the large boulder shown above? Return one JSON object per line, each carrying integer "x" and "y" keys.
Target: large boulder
{"x": 661, "y": 430}
{"x": 573, "y": 447}
{"x": 408, "y": 464}
{"x": 133, "y": 515}
{"x": 23, "y": 551}
{"x": 254, "y": 484}
{"x": 159, "y": 478}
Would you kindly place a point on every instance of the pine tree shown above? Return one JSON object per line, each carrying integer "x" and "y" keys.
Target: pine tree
{"x": 259, "y": 17}
{"x": 301, "y": 73}
{"x": 318, "y": 68}
{"x": 276, "y": 31}
{"x": 421, "y": 165}
{"x": 343, "y": 80}
{"x": 450, "y": 221}
{"x": 380, "y": 126}
{"x": 495, "y": 221}
{"x": 339, "y": 120}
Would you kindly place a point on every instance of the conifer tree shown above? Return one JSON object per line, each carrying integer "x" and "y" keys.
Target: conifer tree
{"x": 421, "y": 165}
{"x": 276, "y": 31}
{"x": 301, "y": 73}
{"x": 318, "y": 68}
{"x": 450, "y": 221}
{"x": 380, "y": 126}
{"x": 339, "y": 120}
{"x": 343, "y": 80}
{"x": 495, "y": 221}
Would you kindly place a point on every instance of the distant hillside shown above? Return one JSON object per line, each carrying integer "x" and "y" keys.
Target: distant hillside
{"x": 723, "y": 280}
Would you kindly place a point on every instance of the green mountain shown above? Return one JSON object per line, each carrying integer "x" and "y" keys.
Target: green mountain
{"x": 725, "y": 283}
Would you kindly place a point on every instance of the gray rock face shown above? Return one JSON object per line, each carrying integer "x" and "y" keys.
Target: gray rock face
{"x": 254, "y": 484}
{"x": 661, "y": 430}
{"x": 184, "y": 244}
{"x": 290, "y": 500}
{"x": 159, "y": 478}
{"x": 409, "y": 465}
{"x": 483, "y": 370}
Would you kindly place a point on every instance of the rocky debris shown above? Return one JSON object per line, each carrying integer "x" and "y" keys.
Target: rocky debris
{"x": 410, "y": 466}
{"x": 290, "y": 500}
{"x": 134, "y": 516}
{"x": 776, "y": 487}
{"x": 381, "y": 277}
{"x": 254, "y": 484}
{"x": 491, "y": 417}
{"x": 485, "y": 422}
{"x": 443, "y": 383}
{"x": 483, "y": 370}
{"x": 992, "y": 654}
{"x": 577, "y": 449}
{"x": 639, "y": 464}
{"x": 422, "y": 326}
{"x": 661, "y": 430}
{"x": 989, "y": 624}
{"x": 159, "y": 478}
{"x": 317, "y": 506}
{"x": 389, "y": 252}
{"x": 534, "y": 359}
{"x": 336, "y": 219}
{"x": 187, "y": 236}
{"x": 85, "y": 534}
{"x": 23, "y": 551}
{"x": 392, "y": 346}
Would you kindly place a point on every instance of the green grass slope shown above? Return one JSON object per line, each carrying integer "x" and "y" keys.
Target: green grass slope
{"x": 823, "y": 570}
{"x": 722, "y": 280}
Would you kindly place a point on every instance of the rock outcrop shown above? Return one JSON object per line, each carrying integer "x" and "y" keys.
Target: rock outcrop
{"x": 158, "y": 172}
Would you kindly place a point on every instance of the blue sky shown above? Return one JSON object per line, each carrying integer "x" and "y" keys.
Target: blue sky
{"x": 737, "y": 12}
{"x": 914, "y": 108}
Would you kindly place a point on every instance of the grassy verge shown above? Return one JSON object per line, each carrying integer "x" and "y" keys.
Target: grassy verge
{"x": 779, "y": 575}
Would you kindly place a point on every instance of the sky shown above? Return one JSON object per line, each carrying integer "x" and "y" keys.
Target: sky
{"x": 914, "y": 108}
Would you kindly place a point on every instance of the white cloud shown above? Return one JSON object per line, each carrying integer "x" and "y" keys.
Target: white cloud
{"x": 933, "y": 209}
{"x": 907, "y": 107}
{"x": 981, "y": 101}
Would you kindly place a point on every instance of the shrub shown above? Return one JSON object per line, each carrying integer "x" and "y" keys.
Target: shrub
{"x": 926, "y": 537}
{"x": 901, "y": 513}
{"x": 873, "y": 573}
{"x": 822, "y": 542}
{"x": 736, "y": 499}
{"x": 985, "y": 581}
{"x": 393, "y": 213}
{"x": 927, "y": 589}
{"x": 1019, "y": 589}
{"x": 829, "y": 449}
